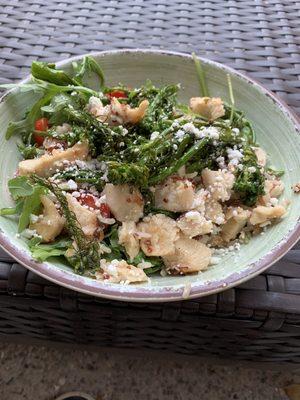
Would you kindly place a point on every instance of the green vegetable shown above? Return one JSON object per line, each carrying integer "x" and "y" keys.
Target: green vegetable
{"x": 119, "y": 173}
{"x": 86, "y": 67}
{"x": 32, "y": 205}
{"x": 276, "y": 172}
{"x": 41, "y": 252}
{"x": 231, "y": 97}
{"x": 47, "y": 72}
{"x": 86, "y": 251}
{"x": 201, "y": 76}
{"x": 20, "y": 187}
{"x": 156, "y": 262}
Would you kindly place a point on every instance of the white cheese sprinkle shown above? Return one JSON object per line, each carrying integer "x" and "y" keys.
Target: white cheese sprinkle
{"x": 154, "y": 135}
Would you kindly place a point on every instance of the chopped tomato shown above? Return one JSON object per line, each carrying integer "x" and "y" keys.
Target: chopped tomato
{"x": 41, "y": 125}
{"x": 119, "y": 94}
{"x": 89, "y": 200}
{"x": 105, "y": 210}
{"x": 39, "y": 139}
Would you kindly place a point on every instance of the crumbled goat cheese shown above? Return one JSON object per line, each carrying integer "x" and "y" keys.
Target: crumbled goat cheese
{"x": 180, "y": 134}
{"x": 190, "y": 128}
{"x": 34, "y": 218}
{"x": 154, "y": 135}
{"x": 72, "y": 184}
{"x": 211, "y": 132}
{"x": 175, "y": 125}
{"x": 220, "y": 220}
{"x": 221, "y": 161}
{"x": 76, "y": 194}
{"x": 104, "y": 220}
{"x": 29, "y": 233}
{"x": 214, "y": 260}
{"x": 192, "y": 215}
{"x": 251, "y": 169}
{"x": 234, "y": 156}
{"x": 64, "y": 128}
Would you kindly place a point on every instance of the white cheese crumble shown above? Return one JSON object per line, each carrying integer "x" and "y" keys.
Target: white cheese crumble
{"x": 72, "y": 184}
{"x": 154, "y": 135}
{"x": 234, "y": 156}
{"x": 33, "y": 218}
{"x": 251, "y": 169}
{"x": 180, "y": 135}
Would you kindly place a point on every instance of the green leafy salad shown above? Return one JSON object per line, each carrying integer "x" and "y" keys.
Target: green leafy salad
{"x": 128, "y": 182}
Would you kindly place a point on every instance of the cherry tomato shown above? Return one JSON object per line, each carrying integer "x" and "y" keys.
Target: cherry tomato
{"x": 87, "y": 200}
{"x": 105, "y": 210}
{"x": 39, "y": 139}
{"x": 119, "y": 94}
{"x": 41, "y": 125}
{"x": 90, "y": 201}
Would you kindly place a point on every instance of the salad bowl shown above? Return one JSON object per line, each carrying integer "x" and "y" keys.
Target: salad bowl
{"x": 277, "y": 131}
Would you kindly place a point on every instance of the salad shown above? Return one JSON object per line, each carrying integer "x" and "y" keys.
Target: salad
{"x": 128, "y": 182}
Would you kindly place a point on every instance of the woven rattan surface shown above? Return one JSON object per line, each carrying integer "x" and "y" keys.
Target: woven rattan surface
{"x": 259, "y": 320}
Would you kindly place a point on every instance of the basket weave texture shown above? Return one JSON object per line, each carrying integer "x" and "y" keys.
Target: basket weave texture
{"x": 259, "y": 320}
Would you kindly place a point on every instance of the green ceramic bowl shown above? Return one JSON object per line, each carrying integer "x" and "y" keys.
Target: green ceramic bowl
{"x": 277, "y": 131}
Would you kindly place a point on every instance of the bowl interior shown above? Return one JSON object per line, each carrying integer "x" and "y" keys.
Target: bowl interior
{"x": 276, "y": 133}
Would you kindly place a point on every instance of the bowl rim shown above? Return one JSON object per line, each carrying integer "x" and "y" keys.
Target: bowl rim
{"x": 148, "y": 293}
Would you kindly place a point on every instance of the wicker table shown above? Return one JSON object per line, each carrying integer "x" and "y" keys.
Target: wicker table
{"x": 259, "y": 320}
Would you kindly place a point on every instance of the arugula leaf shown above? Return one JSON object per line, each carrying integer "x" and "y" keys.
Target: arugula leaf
{"x": 32, "y": 204}
{"x": 276, "y": 172}
{"x": 29, "y": 151}
{"x": 13, "y": 210}
{"x": 156, "y": 262}
{"x": 88, "y": 65}
{"x": 49, "y": 90}
{"x": 19, "y": 187}
{"x": 47, "y": 72}
{"x": 42, "y": 252}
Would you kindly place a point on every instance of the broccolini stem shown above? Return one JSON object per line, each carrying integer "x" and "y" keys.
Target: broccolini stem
{"x": 231, "y": 97}
{"x": 87, "y": 250}
{"x": 201, "y": 76}
{"x": 196, "y": 148}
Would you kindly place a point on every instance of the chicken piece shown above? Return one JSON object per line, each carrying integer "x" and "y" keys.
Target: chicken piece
{"x": 210, "y": 108}
{"x": 50, "y": 223}
{"x": 214, "y": 212}
{"x": 262, "y": 214}
{"x": 125, "y": 202}
{"x": 87, "y": 219}
{"x": 157, "y": 235}
{"x": 218, "y": 183}
{"x": 124, "y": 114}
{"x": 190, "y": 256}
{"x": 117, "y": 271}
{"x": 236, "y": 218}
{"x": 128, "y": 239}
{"x": 175, "y": 194}
{"x": 47, "y": 164}
{"x": 193, "y": 224}
{"x": 273, "y": 189}
{"x": 98, "y": 110}
{"x": 261, "y": 156}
